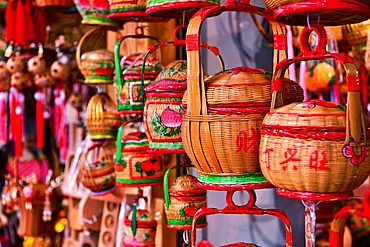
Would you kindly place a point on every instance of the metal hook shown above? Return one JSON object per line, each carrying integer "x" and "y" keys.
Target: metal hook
{"x": 185, "y": 237}
{"x": 308, "y": 22}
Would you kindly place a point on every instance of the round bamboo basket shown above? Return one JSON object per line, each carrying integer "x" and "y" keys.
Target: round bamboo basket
{"x": 356, "y": 34}
{"x": 97, "y": 168}
{"x": 224, "y": 113}
{"x": 182, "y": 201}
{"x": 96, "y": 66}
{"x": 316, "y": 146}
{"x": 134, "y": 166}
{"x": 102, "y": 120}
{"x": 142, "y": 233}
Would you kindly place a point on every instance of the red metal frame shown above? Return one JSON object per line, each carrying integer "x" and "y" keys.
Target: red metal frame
{"x": 249, "y": 208}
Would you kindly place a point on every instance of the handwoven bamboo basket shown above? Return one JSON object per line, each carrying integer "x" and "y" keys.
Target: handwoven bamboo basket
{"x": 102, "y": 120}
{"x": 128, "y": 87}
{"x": 31, "y": 223}
{"x": 221, "y": 127}
{"x": 134, "y": 166}
{"x": 97, "y": 168}
{"x": 139, "y": 228}
{"x": 182, "y": 201}
{"x": 95, "y": 12}
{"x": 316, "y": 146}
{"x": 96, "y": 66}
{"x": 163, "y": 109}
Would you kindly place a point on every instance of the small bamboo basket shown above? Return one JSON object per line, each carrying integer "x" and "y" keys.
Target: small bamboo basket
{"x": 96, "y": 66}
{"x": 134, "y": 166}
{"x": 224, "y": 113}
{"x": 163, "y": 109}
{"x": 315, "y": 146}
{"x": 97, "y": 168}
{"x": 182, "y": 201}
{"x": 128, "y": 89}
{"x": 102, "y": 120}
{"x": 139, "y": 228}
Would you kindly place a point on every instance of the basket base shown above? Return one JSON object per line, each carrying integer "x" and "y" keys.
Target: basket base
{"x": 330, "y": 196}
{"x": 327, "y": 12}
{"x": 130, "y": 184}
{"x": 246, "y": 181}
{"x": 96, "y": 21}
{"x": 185, "y": 227}
{"x": 103, "y": 192}
{"x": 136, "y": 16}
{"x": 177, "y": 10}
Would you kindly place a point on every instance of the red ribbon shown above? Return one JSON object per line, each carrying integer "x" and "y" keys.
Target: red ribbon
{"x": 16, "y": 121}
{"x": 40, "y": 122}
{"x": 280, "y": 42}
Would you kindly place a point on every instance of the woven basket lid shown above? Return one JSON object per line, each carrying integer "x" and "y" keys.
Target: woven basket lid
{"x": 244, "y": 86}
{"x": 172, "y": 78}
{"x": 316, "y": 114}
{"x": 135, "y": 141}
{"x": 132, "y": 66}
{"x": 185, "y": 185}
{"x": 143, "y": 218}
{"x": 98, "y": 55}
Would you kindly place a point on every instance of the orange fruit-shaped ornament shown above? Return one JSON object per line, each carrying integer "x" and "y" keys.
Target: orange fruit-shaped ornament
{"x": 321, "y": 78}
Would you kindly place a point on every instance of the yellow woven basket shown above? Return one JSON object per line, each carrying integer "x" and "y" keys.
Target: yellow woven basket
{"x": 221, "y": 127}
{"x": 315, "y": 146}
{"x": 102, "y": 119}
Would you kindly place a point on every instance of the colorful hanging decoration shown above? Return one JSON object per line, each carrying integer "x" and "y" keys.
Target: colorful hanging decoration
{"x": 4, "y": 94}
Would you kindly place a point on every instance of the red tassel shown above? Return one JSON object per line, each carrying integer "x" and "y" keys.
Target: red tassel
{"x": 13, "y": 99}
{"x": 24, "y": 32}
{"x": 3, "y": 118}
{"x": 40, "y": 122}
{"x": 10, "y": 18}
{"x": 62, "y": 134}
{"x": 18, "y": 135}
{"x": 40, "y": 23}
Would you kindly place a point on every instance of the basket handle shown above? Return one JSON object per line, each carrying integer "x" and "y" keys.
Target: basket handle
{"x": 139, "y": 34}
{"x": 165, "y": 181}
{"x": 355, "y": 126}
{"x": 176, "y": 42}
{"x": 83, "y": 38}
{"x": 134, "y": 209}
